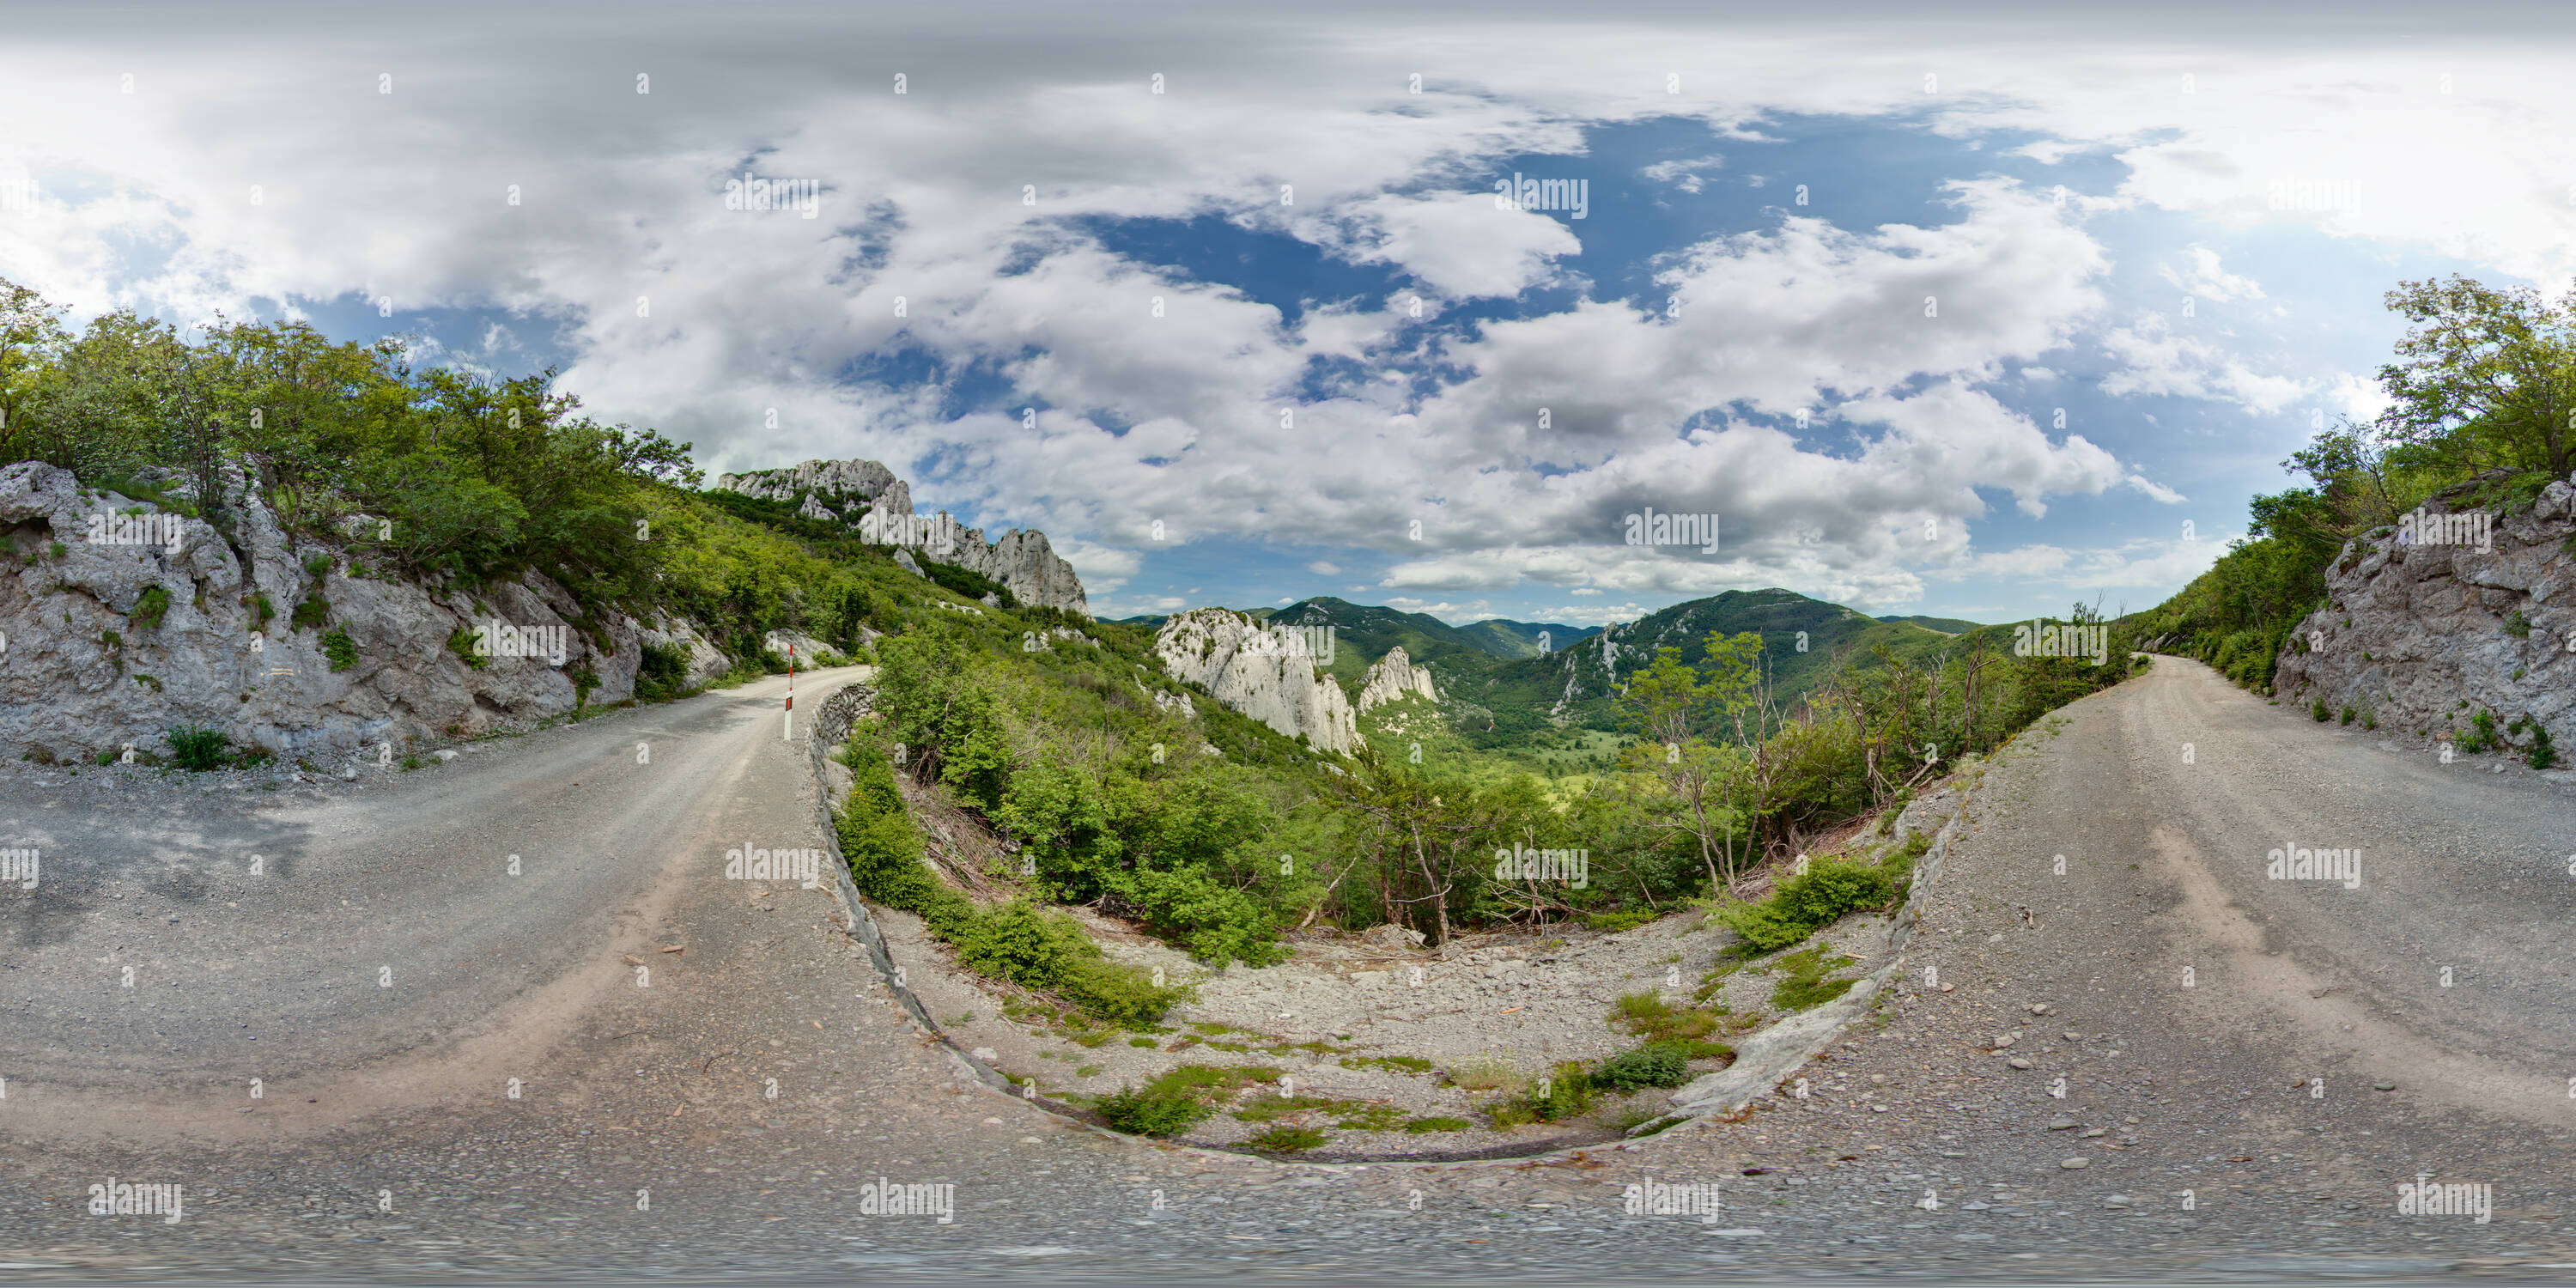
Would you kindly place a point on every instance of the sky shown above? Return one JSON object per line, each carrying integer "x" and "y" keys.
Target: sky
{"x": 1968, "y": 312}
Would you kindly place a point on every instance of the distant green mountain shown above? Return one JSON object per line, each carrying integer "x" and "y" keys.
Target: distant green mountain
{"x": 1363, "y": 633}
{"x": 1521, "y": 639}
{"x": 1500, "y": 688}
{"x": 1580, "y": 685}
{"x": 1373, "y": 630}
{"x": 1945, "y": 625}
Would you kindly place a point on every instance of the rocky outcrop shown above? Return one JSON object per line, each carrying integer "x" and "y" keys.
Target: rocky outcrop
{"x": 95, "y": 660}
{"x": 706, "y": 661}
{"x": 846, "y": 491}
{"x": 1392, "y": 677}
{"x": 836, "y": 481}
{"x": 1023, "y": 561}
{"x": 2454, "y": 604}
{"x": 1265, "y": 673}
{"x": 806, "y": 647}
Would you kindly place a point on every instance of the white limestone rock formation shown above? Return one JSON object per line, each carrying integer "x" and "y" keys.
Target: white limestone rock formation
{"x": 865, "y": 480}
{"x": 844, "y": 491}
{"x": 1392, "y": 677}
{"x": 1266, "y": 673}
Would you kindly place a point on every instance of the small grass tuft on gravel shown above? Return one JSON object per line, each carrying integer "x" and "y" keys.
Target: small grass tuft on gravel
{"x": 1287, "y": 1140}
{"x": 1803, "y": 984}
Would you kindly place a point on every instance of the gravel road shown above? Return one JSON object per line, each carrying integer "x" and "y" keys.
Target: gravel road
{"x": 646, "y": 1139}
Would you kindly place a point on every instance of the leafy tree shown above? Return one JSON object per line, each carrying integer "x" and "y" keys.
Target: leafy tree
{"x": 1680, "y": 712}
{"x": 2487, "y": 376}
{"x": 1419, "y": 839}
{"x": 31, "y": 334}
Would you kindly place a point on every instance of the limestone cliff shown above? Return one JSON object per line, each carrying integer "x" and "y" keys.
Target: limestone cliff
{"x": 843, "y": 491}
{"x": 1392, "y": 677}
{"x": 1265, "y": 673}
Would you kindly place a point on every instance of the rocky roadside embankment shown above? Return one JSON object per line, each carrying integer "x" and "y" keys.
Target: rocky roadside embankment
{"x": 2458, "y": 610}
{"x": 279, "y": 640}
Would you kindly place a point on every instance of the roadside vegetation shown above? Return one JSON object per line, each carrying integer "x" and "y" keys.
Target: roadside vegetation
{"x": 2482, "y": 389}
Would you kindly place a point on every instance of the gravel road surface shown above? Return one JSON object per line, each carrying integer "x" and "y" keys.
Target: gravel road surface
{"x": 2255, "y": 1122}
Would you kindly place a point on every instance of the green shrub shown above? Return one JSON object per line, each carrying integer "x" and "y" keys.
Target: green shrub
{"x": 661, "y": 672}
{"x": 195, "y": 747}
{"x": 461, "y": 643}
{"x": 266, "y": 610}
{"x": 2480, "y": 737}
{"x": 342, "y": 650}
{"x": 1030, "y": 946}
{"x": 1115, "y": 991}
{"x": 1177, "y": 1098}
{"x": 2317, "y": 711}
{"x": 1420, "y": 1125}
{"x": 1215, "y": 922}
{"x": 1564, "y": 1093}
{"x": 2540, "y": 755}
{"x": 149, "y": 610}
{"x": 1684, "y": 1028}
{"x": 1146, "y": 1112}
{"x": 1656, "y": 1064}
{"x": 1019, "y": 942}
{"x": 879, "y": 841}
{"x": 1042, "y": 949}
{"x": 311, "y": 613}
{"x": 1806, "y": 903}
{"x": 2347, "y": 714}
{"x": 2517, "y": 625}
